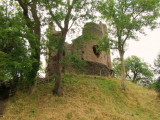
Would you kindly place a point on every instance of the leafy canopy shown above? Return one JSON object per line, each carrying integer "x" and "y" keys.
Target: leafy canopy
{"x": 136, "y": 70}
{"x": 15, "y": 62}
{"x": 126, "y": 17}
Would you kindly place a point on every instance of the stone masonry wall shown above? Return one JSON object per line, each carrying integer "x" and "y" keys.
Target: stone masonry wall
{"x": 88, "y": 49}
{"x": 85, "y": 47}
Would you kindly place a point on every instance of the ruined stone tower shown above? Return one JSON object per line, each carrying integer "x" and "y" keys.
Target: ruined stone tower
{"x": 85, "y": 48}
{"x": 87, "y": 44}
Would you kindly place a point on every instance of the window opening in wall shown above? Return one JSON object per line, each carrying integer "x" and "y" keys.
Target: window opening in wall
{"x": 95, "y": 50}
{"x": 64, "y": 54}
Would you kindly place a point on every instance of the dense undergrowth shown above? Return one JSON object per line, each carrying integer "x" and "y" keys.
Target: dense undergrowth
{"x": 85, "y": 98}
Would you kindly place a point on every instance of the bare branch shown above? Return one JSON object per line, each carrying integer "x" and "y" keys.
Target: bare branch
{"x": 114, "y": 48}
{"x": 126, "y": 37}
{"x": 70, "y": 7}
{"x": 72, "y": 24}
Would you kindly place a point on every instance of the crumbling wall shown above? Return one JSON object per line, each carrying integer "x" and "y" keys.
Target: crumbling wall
{"x": 94, "y": 68}
{"x": 85, "y": 48}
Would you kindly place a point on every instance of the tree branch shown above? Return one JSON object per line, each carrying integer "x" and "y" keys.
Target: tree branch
{"x": 70, "y": 7}
{"x": 26, "y": 13}
{"x": 55, "y": 19}
{"x": 114, "y": 48}
{"x": 72, "y": 24}
{"x": 34, "y": 12}
{"x": 126, "y": 37}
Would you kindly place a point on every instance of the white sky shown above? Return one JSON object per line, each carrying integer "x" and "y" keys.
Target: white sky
{"x": 148, "y": 46}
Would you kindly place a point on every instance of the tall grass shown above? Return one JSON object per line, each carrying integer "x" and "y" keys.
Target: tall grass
{"x": 85, "y": 98}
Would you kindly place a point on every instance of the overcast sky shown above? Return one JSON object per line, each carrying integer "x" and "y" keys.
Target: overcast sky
{"x": 148, "y": 46}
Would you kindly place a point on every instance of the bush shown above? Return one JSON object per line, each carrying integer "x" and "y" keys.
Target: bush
{"x": 157, "y": 85}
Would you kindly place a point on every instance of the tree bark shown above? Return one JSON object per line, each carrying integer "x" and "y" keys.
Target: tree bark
{"x": 123, "y": 74}
{"x": 58, "y": 79}
{"x": 134, "y": 77}
{"x": 36, "y": 46}
{"x": 58, "y": 84}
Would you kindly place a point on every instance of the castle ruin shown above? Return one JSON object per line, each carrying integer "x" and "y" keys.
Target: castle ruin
{"x": 85, "y": 48}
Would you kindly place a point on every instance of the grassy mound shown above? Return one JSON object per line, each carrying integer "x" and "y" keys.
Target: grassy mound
{"x": 85, "y": 98}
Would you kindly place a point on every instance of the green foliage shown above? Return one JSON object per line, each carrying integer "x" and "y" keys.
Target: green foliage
{"x": 157, "y": 65}
{"x": 78, "y": 42}
{"x": 64, "y": 14}
{"x": 136, "y": 70}
{"x": 52, "y": 43}
{"x": 73, "y": 62}
{"x": 141, "y": 70}
{"x": 156, "y": 85}
{"x": 15, "y": 62}
{"x": 104, "y": 44}
{"x": 116, "y": 67}
{"x": 88, "y": 31}
{"x": 125, "y": 18}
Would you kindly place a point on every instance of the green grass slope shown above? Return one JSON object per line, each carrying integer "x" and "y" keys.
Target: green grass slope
{"x": 85, "y": 98}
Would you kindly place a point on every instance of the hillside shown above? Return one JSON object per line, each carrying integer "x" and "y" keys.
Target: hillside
{"x": 85, "y": 98}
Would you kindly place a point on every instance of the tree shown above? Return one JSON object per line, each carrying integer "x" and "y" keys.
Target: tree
{"x": 157, "y": 65}
{"x": 30, "y": 14}
{"x": 136, "y": 70}
{"x": 64, "y": 14}
{"x": 140, "y": 70}
{"x": 15, "y": 61}
{"x": 126, "y": 18}
{"x": 156, "y": 86}
{"x": 116, "y": 67}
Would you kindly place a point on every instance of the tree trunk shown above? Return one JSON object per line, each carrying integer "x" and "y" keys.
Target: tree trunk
{"x": 51, "y": 66}
{"x": 58, "y": 79}
{"x": 58, "y": 83}
{"x": 123, "y": 74}
{"x": 37, "y": 32}
{"x": 34, "y": 26}
{"x": 134, "y": 77}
